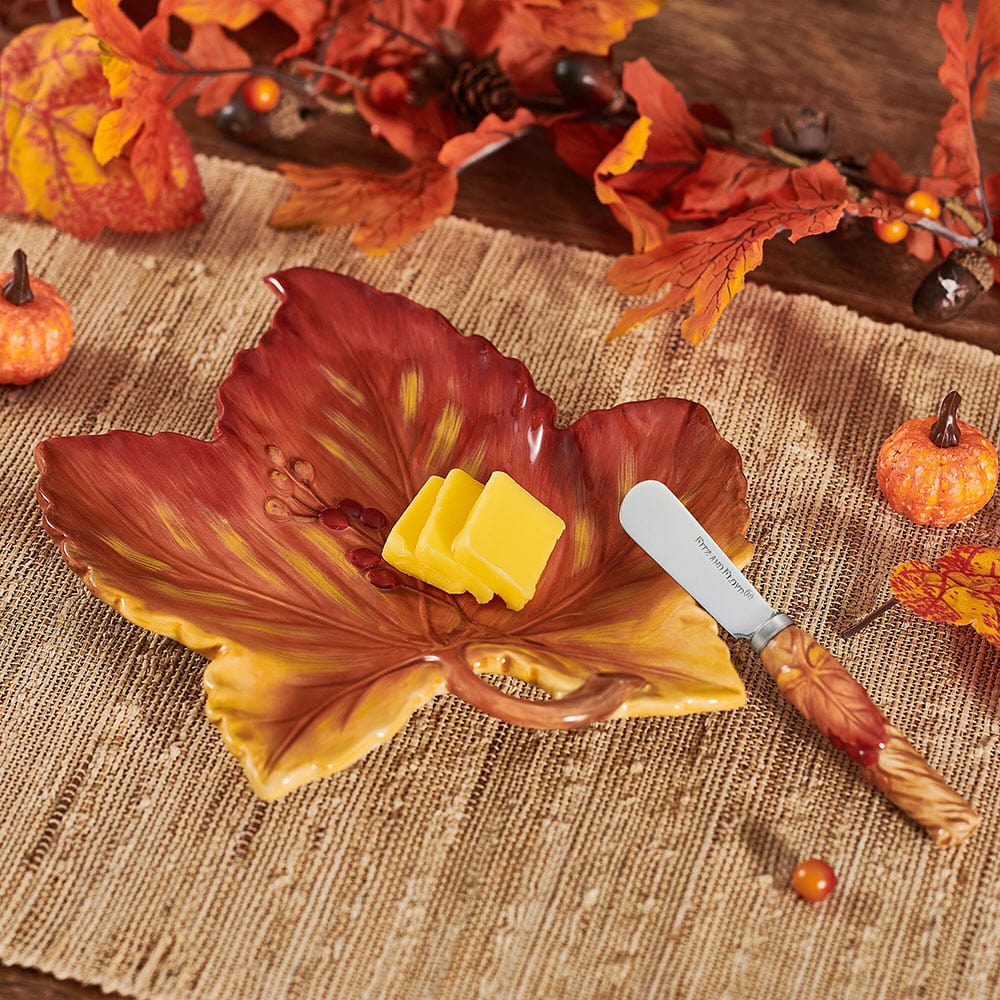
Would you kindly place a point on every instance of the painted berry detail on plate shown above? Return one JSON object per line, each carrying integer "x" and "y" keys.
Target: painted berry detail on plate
{"x": 238, "y": 546}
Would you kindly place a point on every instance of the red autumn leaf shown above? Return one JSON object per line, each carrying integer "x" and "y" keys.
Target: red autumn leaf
{"x": 52, "y": 95}
{"x": 390, "y": 208}
{"x": 303, "y": 16}
{"x": 962, "y": 589}
{"x": 222, "y": 544}
{"x": 360, "y": 45}
{"x": 709, "y": 266}
{"x": 970, "y": 64}
{"x": 582, "y": 144}
{"x": 417, "y": 133}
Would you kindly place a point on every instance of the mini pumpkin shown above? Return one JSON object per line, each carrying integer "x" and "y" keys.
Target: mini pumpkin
{"x": 36, "y": 327}
{"x": 938, "y": 470}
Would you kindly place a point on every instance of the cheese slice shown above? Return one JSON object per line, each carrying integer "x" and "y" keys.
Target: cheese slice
{"x": 433, "y": 549}
{"x": 507, "y": 539}
{"x": 400, "y": 549}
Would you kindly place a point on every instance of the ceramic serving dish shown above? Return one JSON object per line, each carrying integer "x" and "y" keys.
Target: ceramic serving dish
{"x": 260, "y": 547}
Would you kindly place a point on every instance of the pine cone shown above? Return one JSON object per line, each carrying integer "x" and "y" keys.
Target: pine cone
{"x": 479, "y": 88}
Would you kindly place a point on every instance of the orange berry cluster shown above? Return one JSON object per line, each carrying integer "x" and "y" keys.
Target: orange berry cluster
{"x": 919, "y": 202}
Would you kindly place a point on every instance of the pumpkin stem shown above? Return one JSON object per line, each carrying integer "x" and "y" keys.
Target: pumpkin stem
{"x": 945, "y": 432}
{"x": 17, "y": 288}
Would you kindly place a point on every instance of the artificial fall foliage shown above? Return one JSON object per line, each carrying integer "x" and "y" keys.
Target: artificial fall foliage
{"x": 444, "y": 82}
{"x": 53, "y": 97}
{"x": 963, "y": 588}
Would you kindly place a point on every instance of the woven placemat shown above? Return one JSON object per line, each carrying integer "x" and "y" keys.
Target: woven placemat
{"x": 466, "y": 858}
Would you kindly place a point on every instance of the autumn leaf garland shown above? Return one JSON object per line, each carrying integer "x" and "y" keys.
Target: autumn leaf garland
{"x": 86, "y": 132}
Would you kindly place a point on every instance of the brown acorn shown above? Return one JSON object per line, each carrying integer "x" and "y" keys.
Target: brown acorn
{"x": 588, "y": 82}
{"x": 809, "y": 133}
{"x": 952, "y": 285}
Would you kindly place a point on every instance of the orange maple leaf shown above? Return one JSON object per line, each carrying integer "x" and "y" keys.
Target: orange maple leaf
{"x": 647, "y": 226}
{"x": 971, "y": 63}
{"x": 709, "y": 266}
{"x": 528, "y": 34}
{"x": 581, "y": 25}
{"x": 963, "y": 589}
{"x": 303, "y": 16}
{"x": 148, "y": 79}
{"x": 52, "y": 95}
{"x": 652, "y": 159}
{"x": 676, "y": 147}
{"x": 492, "y": 132}
{"x": 211, "y": 46}
{"x": 391, "y": 207}
{"x": 726, "y": 182}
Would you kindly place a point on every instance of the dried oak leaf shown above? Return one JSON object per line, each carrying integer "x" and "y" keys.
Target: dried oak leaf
{"x": 962, "y": 589}
{"x": 354, "y": 394}
{"x": 971, "y": 63}
{"x": 390, "y": 208}
{"x": 709, "y": 266}
{"x": 52, "y": 96}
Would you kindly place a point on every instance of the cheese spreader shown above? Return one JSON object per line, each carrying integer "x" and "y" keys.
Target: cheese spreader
{"x": 807, "y": 675}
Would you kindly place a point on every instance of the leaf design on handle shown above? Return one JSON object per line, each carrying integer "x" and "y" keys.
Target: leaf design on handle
{"x": 826, "y": 695}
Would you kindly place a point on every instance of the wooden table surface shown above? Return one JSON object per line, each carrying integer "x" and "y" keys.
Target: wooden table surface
{"x": 873, "y": 66}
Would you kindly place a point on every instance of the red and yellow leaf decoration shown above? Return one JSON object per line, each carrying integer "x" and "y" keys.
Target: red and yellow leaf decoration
{"x": 257, "y": 547}
{"x": 962, "y": 588}
{"x": 53, "y": 94}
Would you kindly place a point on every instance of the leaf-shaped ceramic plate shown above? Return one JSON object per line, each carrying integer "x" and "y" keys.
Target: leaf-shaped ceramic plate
{"x": 237, "y": 548}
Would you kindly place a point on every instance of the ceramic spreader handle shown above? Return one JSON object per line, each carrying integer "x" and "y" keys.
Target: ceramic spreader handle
{"x": 816, "y": 683}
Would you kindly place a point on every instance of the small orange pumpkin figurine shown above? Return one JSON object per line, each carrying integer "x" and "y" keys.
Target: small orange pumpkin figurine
{"x": 36, "y": 328}
{"x": 938, "y": 470}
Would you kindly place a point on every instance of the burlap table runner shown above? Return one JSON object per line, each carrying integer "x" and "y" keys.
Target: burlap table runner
{"x": 466, "y": 858}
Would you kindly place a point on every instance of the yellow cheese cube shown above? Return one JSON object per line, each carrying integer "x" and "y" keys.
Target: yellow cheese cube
{"x": 454, "y": 500}
{"x": 400, "y": 549}
{"x": 507, "y": 539}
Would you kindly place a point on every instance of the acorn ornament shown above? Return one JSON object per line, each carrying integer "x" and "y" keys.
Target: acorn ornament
{"x": 937, "y": 471}
{"x": 808, "y": 133}
{"x": 588, "y": 82}
{"x": 952, "y": 285}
